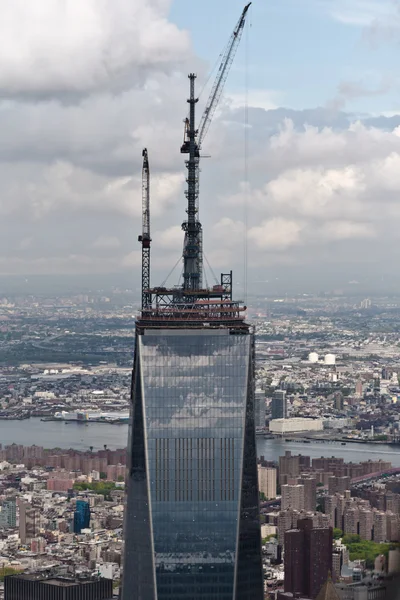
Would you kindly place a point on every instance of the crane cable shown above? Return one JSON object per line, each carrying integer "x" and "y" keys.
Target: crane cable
{"x": 246, "y": 161}
{"x": 171, "y": 271}
{"x": 211, "y": 269}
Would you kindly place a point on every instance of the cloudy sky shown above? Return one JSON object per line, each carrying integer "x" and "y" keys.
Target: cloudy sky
{"x": 84, "y": 86}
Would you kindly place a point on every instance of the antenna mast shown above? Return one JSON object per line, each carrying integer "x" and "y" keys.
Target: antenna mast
{"x": 193, "y": 138}
{"x": 145, "y": 238}
{"x": 192, "y": 267}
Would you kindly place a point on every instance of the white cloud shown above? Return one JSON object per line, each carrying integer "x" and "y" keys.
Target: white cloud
{"x": 70, "y": 166}
{"x": 257, "y": 98}
{"x": 133, "y": 259}
{"x": 64, "y": 46}
{"x": 171, "y": 238}
{"x": 54, "y": 265}
{"x": 318, "y": 192}
{"x": 352, "y": 90}
{"x": 232, "y": 232}
{"x": 25, "y": 243}
{"x": 276, "y": 234}
{"x": 385, "y": 173}
{"x": 320, "y": 188}
{"x": 328, "y": 147}
{"x": 61, "y": 187}
{"x": 360, "y": 13}
{"x": 342, "y": 230}
{"x": 105, "y": 241}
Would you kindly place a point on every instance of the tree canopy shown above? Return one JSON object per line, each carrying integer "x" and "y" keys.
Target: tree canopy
{"x": 366, "y": 550}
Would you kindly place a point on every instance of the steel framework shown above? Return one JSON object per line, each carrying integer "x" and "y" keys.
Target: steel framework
{"x": 193, "y": 139}
{"x": 188, "y": 299}
{"x": 145, "y": 238}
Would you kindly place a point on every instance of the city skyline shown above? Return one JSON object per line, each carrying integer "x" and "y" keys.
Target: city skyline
{"x": 66, "y": 367}
{"x": 72, "y": 139}
{"x": 293, "y": 201}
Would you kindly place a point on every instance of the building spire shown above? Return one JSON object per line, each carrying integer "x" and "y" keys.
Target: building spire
{"x": 328, "y": 590}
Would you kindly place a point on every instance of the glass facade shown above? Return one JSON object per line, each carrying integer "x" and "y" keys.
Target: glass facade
{"x": 279, "y": 405}
{"x": 81, "y": 516}
{"x": 8, "y": 514}
{"x": 192, "y": 521}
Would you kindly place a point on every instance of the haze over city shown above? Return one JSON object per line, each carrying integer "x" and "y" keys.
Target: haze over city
{"x": 85, "y": 88}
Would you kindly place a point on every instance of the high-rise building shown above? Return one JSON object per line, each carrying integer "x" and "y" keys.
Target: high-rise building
{"x": 327, "y": 463}
{"x": 308, "y": 558}
{"x": 359, "y": 388}
{"x": 295, "y": 573}
{"x": 192, "y": 527}
{"x": 366, "y": 518}
{"x": 310, "y": 493}
{"x": 380, "y": 527}
{"x": 342, "y": 503}
{"x": 285, "y": 522}
{"x": 38, "y": 545}
{"x": 340, "y": 557}
{"x": 339, "y": 401}
{"x": 394, "y": 562}
{"x": 260, "y": 409}
{"x": 321, "y": 543}
{"x": 392, "y": 527}
{"x": 192, "y": 524}
{"x": 292, "y": 497}
{"x": 47, "y": 587}
{"x": 330, "y": 504}
{"x": 338, "y": 484}
{"x": 81, "y": 516}
{"x": 322, "y": 520}
{"x": 343, "y": 484}
{"x": 392, "y": 501}
{"x": 267, "y": 481}
{"x": 279, "y": 405}
{"x": 289, "y": 466}
{"x": 332, "y": 485}
{"x": 350, "y": 520}
{"x": 28, "y": 522}
{"x": 8, "y": 513}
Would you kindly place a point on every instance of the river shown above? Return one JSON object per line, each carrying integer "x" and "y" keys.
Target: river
{"x": 52, "y": 434}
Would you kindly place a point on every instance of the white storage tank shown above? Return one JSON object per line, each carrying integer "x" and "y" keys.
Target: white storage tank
{"x": 313, "y": 357}
{"x": 330, "y": 359}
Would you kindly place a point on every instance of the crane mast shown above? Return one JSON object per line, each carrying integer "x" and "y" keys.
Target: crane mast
{"x": 145, "y": 238}
{"x": 193, "y": 138}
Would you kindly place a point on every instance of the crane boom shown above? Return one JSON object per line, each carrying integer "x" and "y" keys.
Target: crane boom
{"x": 145, "y": 238}
{"x": 223, "y": 72}
{"x": 193, "y": 138}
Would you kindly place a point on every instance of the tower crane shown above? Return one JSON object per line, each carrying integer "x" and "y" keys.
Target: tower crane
{"x": 145, "y": 238}
{"x": 193, "y": 139}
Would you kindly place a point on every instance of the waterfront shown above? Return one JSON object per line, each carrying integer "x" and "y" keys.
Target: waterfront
{"x": 54, "y": 434}
{"x": 58, "y": 434}
{"x": 271, "y": 449}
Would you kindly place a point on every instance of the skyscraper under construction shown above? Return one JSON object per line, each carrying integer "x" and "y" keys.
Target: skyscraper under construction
{"x": 192, "y": 515}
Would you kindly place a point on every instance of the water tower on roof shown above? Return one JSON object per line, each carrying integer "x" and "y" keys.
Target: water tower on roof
{"x": 330, "y": 359}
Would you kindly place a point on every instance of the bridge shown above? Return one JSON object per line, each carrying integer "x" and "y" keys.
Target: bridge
{"x": 388, "y": 472}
